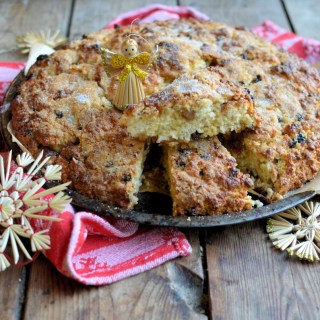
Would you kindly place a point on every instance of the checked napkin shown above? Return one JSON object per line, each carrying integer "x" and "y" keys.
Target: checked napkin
{"x": 95, "y": 250}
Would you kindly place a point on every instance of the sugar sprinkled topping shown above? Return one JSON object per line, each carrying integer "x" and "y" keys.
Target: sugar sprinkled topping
{"x": 189, "y": 86}
{"x": 82, "y": 98}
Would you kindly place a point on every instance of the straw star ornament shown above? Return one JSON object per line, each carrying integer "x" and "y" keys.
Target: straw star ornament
{"x": 22, "y": 199}
{"x": 38, "y": 43}
{"x": 297, "y": 231}
{"x": 49, "y": 38}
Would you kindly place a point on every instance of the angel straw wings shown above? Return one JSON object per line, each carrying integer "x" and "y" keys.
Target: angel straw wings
{"x": 134, "y": 68}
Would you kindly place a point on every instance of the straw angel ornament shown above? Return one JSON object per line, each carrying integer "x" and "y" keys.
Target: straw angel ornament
{"x": 133, "y": 67}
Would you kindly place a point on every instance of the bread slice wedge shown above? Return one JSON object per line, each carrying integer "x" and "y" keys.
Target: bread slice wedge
{"x": 204, "y": 179}
{"x": 205, "y": 102}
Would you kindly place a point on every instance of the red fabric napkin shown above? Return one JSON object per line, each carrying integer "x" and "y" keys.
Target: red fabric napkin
{"x": 95, "y": 250}
{"x": 8, "y": 70}
{"x": 305, "y": 48}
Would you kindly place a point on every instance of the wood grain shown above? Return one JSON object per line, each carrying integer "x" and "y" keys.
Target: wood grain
{"x": 305, "y": 17}
{"x": 306, "y": 287}
{"x": 90, "y": 16}
{"x": 171, "y": 291}
{"x": 248, "y": 278}
{"x": 248, "y": 13}
{"x": 18, "y": 17}
{"x": 12, "y": 284}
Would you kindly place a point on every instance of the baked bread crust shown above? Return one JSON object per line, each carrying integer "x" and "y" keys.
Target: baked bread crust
{"x": 284, "y": 151}
{"x": 78, "y": 128}
{"x": 64, "y": 107}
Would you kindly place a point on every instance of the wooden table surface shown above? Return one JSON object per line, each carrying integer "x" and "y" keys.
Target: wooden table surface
{"x": 233, "y": 272}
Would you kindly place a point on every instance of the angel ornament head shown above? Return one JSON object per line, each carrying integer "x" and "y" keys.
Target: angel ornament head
{"x": 130, "y": 67}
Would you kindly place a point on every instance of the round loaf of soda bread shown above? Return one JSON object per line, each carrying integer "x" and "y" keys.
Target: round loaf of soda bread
{"x": 64, "y": 107}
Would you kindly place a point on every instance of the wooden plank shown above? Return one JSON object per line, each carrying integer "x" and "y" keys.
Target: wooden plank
{"x": 170, "y": 291}
{"x": 12, "y": 284}
{"x": 307, "y": 287}
{"x": 248, "y": 13}
{"x": 90, "y": 16}
{"x": 305, "y": 17}
{"x": 18, "y": 17}
{"x": 248, "y": 279}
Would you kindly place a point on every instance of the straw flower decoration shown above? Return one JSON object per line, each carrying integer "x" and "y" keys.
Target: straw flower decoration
{"x": 21, "y": 199}
{"x": 297, "y": 231}
{"x": 38, "y": 44}
{"x": 51, "y": 39}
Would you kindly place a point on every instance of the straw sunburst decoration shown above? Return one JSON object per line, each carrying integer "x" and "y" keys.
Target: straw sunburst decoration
{"x": 297, "y": 230}
{"x": 22, "y": 199}
{"x": 49, "y": 38}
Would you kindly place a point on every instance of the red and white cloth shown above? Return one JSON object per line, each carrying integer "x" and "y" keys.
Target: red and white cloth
{"x": 95, "y": 250}
{"x": 8, "y": 71}
{"x": 305, "y": 48}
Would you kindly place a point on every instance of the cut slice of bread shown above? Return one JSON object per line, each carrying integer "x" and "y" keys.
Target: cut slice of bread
{"x": 205, "y": 102}
{"x": 204, "y": 180}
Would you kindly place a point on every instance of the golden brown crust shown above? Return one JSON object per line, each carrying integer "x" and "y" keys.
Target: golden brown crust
{"x": 72, "y": 117}
{"x": 72, "y": 82}
{"x": 204, "y": 179}
{"x": 284, "y": 152}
